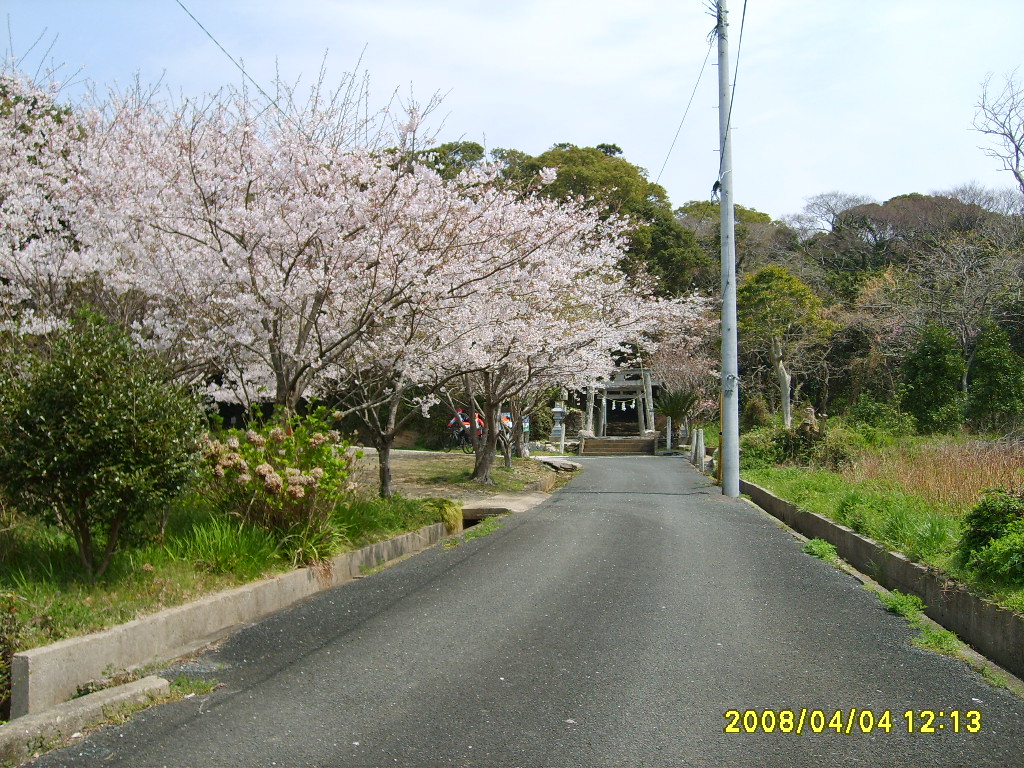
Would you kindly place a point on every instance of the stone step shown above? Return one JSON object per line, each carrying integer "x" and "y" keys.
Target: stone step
{"x": 623, "y": 446}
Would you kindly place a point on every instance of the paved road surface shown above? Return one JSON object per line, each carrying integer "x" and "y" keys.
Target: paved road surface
{"x": 613, "y": 625}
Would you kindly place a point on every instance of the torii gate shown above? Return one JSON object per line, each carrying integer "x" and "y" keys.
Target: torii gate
{"x": 624, "y": 385}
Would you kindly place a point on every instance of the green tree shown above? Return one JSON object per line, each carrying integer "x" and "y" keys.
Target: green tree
{"x": 932, "y": 371}
{"x": 759, "y": 240}
{"x": 779, "y": 313}
{"x": 93, "y": 438}
{"x": 659, "y": 245}
{"x": 995, "y": 400}
{"x": 450, "y": 159}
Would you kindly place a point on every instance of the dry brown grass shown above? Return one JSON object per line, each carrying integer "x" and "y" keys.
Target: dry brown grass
{"x": 948, "y": 474}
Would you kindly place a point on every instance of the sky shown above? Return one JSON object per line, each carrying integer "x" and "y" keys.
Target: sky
{"x": 865, "y": 97}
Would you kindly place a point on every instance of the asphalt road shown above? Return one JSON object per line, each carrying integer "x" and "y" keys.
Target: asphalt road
{"x": 613, "y": 625}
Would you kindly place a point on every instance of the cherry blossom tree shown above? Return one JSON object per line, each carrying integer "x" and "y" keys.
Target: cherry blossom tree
{"x": 42, "y": 271}
{"x": 269, "y": 240}
{"x": 557, "y": 318}
{"x": 527, "y": 282}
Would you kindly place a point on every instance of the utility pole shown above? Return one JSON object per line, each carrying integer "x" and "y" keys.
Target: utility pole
{"x": 729, "y": 447}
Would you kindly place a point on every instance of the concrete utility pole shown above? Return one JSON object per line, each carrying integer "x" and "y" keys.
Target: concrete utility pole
{"x": 729, "y": 450}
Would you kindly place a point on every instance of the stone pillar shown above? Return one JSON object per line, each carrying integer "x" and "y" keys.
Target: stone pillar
{"x": 648, "y": 400}
{"x": 602, "y": 416}
{"x": 588, "y": 417}
{"x": 640, "y": 409}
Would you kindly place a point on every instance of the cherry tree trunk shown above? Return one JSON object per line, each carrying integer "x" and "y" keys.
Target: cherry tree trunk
{"x": 487, "y": 448}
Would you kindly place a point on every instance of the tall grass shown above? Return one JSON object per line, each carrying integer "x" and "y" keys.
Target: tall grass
{"x": 881, "y": 511}
{"x": 944, "y": 472}
{"x": 911, "y": 495}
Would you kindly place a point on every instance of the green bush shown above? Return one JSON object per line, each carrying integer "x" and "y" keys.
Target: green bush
{"x": 93, "y": 437}
{"x": 995, "y": 400}
{"x": 755, "y": 413}
{"x": 774, "y": 445}
{"x": 541, "y": 423}
{"x": 762, "y": 448}
{"x": 287, "y": 477}
{"x": 868, "y": 415}
{"x": 991, "y": 518}
{"x": 837, "y": 448}
{"x": 993, "y": 540}
{"x": 1002, "y": 559}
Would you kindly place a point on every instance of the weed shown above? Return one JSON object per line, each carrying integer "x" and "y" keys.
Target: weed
{"x": 221, "y": 545}
{"x": 994, "y": 678}
{"x": 484, "y": 527}
{"x": 183, "y": 687}
{"x": 939, "y": 641}
{"x": 822, "y": 550}
{"x": 910, "y": 607}
{"x": 447, "y": 511}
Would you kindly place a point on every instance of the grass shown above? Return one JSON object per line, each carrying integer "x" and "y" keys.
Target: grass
{"x": 932, "y": 638}
{"x": 456, "y": 470}
{"x": 47, "y": 597}
{"x": 944, "y": 472}
{"x": 881, "y": 511}
{"x": 185, "y": 687}
{"x": 822, "y": 550}
{"x": 887, "y": 513}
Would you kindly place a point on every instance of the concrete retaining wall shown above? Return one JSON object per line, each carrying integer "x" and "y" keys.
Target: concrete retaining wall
{"x": 46, "y": 676}
{"x": 994, "y": 632}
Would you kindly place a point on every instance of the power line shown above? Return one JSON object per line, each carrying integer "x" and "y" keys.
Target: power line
{"x": 225, "y": 52}
{"x": 272, "y": 102}
{"x": 735, "y": 76}
{"x": 685, "y": 112}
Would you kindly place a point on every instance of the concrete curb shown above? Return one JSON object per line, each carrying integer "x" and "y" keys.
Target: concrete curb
{"x": 45, "y": 677}
{"x": 996, "y": 633}
{"x": 21, "y": 739}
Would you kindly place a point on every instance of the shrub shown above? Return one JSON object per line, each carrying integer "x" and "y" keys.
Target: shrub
{"x": 755, "y": 414}
{"x": 541, "y": 424}
{"x": 874, "y": 414}
{"x": 992, "y": 518}
{"x": 1002, "y": 559}
{"x": 93, "y": 437}
{"x": 836, "y": 449}
{"x": 762, "y": 448}
{"x": 286, "y": 477}
{"x": 994, "y": 399}
{"x": 993, "y": 540}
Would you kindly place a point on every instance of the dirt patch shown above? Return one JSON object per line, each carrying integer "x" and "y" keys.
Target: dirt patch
{"x": 418, "y": 474}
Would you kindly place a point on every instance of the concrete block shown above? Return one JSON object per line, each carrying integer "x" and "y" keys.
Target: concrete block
{"x": 21, "y": 738}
